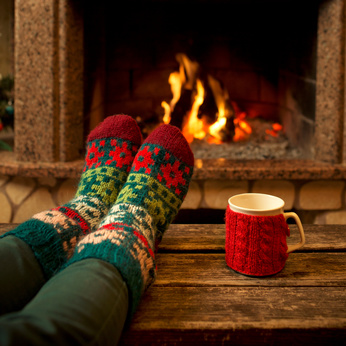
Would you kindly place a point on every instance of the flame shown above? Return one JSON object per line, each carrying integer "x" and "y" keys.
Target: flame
{"x": 167, "y": 116}
{"x": 176, "y": 81}
{"x": 194, "y": 127}
{"x": 215, "y": 128}
{"x": 220, "y": 97}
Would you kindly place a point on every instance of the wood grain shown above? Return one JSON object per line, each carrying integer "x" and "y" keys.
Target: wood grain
{"x": 241, "y": 307}
{"x": 197, "y": 299}
{"x": 5, "y": 227}
{"x": 254, "y": 315}
{"x": 203, "y": 270}
{"x": 212, "y": 238}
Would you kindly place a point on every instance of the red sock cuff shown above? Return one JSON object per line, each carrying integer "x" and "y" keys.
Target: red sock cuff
{"x": 119, "y": 126}
{"x": 171, "y": 138}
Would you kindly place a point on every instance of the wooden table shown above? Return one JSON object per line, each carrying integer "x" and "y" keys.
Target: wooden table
{"x": 197, "y": 299}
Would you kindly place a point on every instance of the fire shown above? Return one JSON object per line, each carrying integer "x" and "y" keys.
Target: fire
{"x": 242, "y": 128}
{"x": 176, "y": 81}
{"x": 220, "y": 97}
{"x": 194, "y": 127}
{"x": 215, "y": 128}
{"x": 276, "y": 128}
{"x": 167, "y": 116}
{"x": 230, "y": 123}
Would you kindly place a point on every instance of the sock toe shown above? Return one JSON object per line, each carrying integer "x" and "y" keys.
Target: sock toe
{"x": 121, "y": 126}
{"x": 171, "y": 138}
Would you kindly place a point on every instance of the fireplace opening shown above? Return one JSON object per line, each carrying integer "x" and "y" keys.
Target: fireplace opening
{"x": 260, "y": 54}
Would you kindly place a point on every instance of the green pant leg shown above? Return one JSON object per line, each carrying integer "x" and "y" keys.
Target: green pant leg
{"x": 21, "y": 276}
{"x": 86, "y": 303}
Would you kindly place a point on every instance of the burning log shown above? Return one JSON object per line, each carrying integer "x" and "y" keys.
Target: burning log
{"x": 226, "y": 133}
{"x": 182, "y": 86}
{"x": 223, "y": 128}
{"x": 208, "y": 110}
{"x": 181, "y": 108}
{"x": 188, "y": 71}
{"x": 200, "y": 107}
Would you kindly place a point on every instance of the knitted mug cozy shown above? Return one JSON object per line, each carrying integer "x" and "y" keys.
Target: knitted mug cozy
{"x": 151, "y": 197}
{"x": 52, "y": 235}
{"x": 256, "y": 245}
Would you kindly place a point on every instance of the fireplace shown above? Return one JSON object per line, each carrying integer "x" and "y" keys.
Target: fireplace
{"x": 264, "y": 54}
{"x": 280, "y": 63}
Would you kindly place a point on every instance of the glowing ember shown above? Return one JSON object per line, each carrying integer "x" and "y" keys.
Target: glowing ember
{"x": 242, "y": 129}
{"x": 276, "y": 128}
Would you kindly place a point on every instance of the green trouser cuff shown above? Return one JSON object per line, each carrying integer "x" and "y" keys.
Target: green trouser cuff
{"x": 45, "y": 243}
{"x": 21, "y": 275}
{"x": 86, "y": 303}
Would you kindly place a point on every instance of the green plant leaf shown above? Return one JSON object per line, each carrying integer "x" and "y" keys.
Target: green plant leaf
{"x": 5, "y": 146}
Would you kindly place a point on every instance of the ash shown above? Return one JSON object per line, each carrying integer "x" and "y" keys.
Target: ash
{"x": 259, "y": 146}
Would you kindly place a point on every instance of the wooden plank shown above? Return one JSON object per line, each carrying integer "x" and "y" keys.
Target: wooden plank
{"x": 198, "y": 299}
{"x": 5, "y": 227}
{"x": 255, "y": 315}
{"x": 203, "y": 270}
{"x": 197, "y": 238}
{"x": 211, "y": 238}
{"x": 282, "y": 337}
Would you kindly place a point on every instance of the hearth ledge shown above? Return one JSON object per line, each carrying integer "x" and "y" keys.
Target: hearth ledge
{"x": 209, "y": 169}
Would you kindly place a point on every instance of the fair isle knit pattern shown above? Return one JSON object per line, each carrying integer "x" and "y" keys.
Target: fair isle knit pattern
{"x": 53, "y": 234}
{"x": 151, "y": 197}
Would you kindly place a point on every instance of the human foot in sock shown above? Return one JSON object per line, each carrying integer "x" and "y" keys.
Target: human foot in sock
{"x": 53, "y": 234}
{"x": 146, "y": 205}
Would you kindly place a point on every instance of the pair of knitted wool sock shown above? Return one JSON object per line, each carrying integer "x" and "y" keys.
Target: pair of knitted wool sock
{"x": 127, "y": 197}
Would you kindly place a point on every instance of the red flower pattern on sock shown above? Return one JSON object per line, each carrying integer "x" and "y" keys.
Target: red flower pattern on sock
{"x": 143, "y": 160}
{"x": 172, "y": 174}
{"x": 121, "y": 155}
{"x": 93, "y": 156}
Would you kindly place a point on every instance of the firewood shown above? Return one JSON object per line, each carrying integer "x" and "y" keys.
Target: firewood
{"x": 181, "y": 108}
{"x": 224, "y": 106}
{"x": 208, "y": 110}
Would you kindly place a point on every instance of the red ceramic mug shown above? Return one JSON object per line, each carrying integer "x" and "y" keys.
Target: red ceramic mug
{"x": 256, "y": 232}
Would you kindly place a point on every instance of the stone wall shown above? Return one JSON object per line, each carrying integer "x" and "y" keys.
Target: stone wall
{"x": 315, "y": 201}
{"x": 21, "y": 197}
{"x": 318, "y": 201}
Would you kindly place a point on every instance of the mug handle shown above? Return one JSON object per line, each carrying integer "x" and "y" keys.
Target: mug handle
{"x": 294, "y": 216}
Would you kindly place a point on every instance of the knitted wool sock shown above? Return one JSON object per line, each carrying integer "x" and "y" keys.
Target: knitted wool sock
{"x": 53, "y": 234}
{"x": 150, "y": 199}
